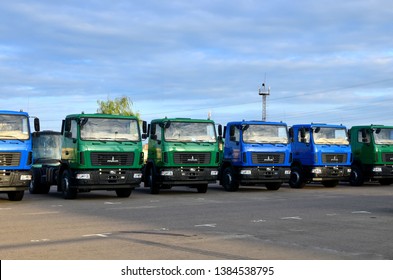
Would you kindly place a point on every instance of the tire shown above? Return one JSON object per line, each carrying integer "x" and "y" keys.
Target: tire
{"x": 356, "y": 178}
{"x": 330, "y": 184}
{"x": 273, "y": 186}
{"x": 68, "y": 192}
{"x": 202, "y": 188}
{"x": 152, "y": 183}
{"x": 123, "y": 192}
{"x": 34, "y": 186}
{"x": 296, "y": 181}
{"x": 16, "y": 195}
{"x": 229, "y": 181}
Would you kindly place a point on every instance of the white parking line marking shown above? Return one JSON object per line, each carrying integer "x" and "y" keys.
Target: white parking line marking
{"x": 361, "y": 212}
{"x": 206, "y": 225}
{"x": 292, "y": 218}
{"x": 97, "y": 235}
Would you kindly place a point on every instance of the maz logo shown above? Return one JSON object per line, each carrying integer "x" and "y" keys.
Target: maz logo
{"x": 192, "y": 159}
{"x": 268, "y": 159}
{"x": 113, "y": 160}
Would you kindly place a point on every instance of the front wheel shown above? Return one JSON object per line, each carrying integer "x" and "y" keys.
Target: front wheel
{"x": 152, "y": 183}
{"x": 356, "y": 177}
{"x": 68, "y": 192}
{"x": 16, "y": 195}
{"x": 229, "y": 181}
{"x": 296, "y": 180}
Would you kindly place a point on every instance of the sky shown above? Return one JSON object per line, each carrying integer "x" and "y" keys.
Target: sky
{"x": 324, "y": 61}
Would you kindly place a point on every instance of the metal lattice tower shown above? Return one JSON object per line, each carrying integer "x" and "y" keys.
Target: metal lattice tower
{"x": 264, "y": 94}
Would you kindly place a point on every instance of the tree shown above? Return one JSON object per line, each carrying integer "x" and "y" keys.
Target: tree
{"x": 118, "y": 106}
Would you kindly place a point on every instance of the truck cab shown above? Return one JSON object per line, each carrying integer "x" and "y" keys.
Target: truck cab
{"x": 15, "y": 154}
{"x": 321, "y": 153}
{"x": 255, "y": 152}
{"x": 372, "y": 148}
{"x": 182, "y": 151}
{"x": 98, "y": 152}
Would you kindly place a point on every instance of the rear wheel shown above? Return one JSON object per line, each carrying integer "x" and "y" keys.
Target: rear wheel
{"x": 16, "y": 195}
{"x": 229, "y": 181}
{"x": 68, "y": 192}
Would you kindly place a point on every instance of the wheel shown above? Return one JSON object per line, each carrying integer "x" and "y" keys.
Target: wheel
{"x": 16, "y": 195}
{"x": 330, "y": 184}
{"x": 68, "y": 192}
{"x": 229, "y": 181}
{"x": 202, "y": 188}
{"x": 273, "y": 186}
{"x": 356, "y": 178}
{"x": 123, "y": 192}
{"x": 34, "y": 186}
{"x": 152, "y": 184}
{"x": 296, "y": 181}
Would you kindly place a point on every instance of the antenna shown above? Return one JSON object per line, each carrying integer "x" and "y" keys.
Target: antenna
{"x": 264, "y": 94}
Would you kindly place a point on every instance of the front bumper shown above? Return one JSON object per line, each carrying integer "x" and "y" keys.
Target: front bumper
{"x": 264, "y": 174}
{"x": 381, "y": 172}
{"x": 188, "y": 176}
{"x": 106, "y": 179}
{"x": 14, "y": 180}
{"x": 325, "y": 173}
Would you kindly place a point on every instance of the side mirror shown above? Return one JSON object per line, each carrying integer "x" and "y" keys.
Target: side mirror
{"x": 220, "y": 130}
{"x": 302, "y": 133}
{"x": 36, "y": 124}
{"x": 232, "y": 131}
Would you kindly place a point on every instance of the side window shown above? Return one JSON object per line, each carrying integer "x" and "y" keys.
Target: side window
{"x": 234, "y": 133}
{"x": 304, "y": 138}
{"x": 158, "y": 131}
{"x": 363, "y": 136}
{"x": 71, "y": 128}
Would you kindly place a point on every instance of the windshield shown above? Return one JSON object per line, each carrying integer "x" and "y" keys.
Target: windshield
{"x": 14, "y": 127}
{"x": 383, "y": 136}
{"x": 330, "y": 135}
{"x": 261, "y": 133}
{"x": 109, "y": 129}
{"x": 190, "y": 132}
{"x": 47, "y": 146}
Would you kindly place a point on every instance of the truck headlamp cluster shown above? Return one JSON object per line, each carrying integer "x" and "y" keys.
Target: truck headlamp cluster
{"x": 316, "y": 171}
{"x": 137, "y": 175}
{"x": 377, "y": 169}
{"x": 83, "y": 176}
{"x": 214, "y": 173}
{"x": 25, "y": 177}
{"x": 245, "y": 172}
{"x": 287, "y": 172}
{"x": 166, "y": 173}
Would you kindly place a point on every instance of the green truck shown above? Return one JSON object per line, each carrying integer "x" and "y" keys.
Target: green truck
{"x": 98, "y": 152}
{"x": 182, "y": 151}
{"x": 372, "y": 149}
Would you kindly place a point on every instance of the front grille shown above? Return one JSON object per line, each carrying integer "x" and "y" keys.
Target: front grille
{"x": 387, "y": 157}
{"x": 334, "y": 158}
{"x": 267, "y": 158}
{"x": 112, "y": 159}
{"x": 9, "y": 159}
{"x": 191, "y": 158}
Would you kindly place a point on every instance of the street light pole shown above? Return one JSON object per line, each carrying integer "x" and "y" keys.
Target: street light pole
{"x": 264, "y": 94}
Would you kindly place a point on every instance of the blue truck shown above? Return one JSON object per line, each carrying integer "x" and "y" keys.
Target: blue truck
{"x": 15, "y": 154}
{"x": 321, "y": 153}
{"x": 255, "y": 152}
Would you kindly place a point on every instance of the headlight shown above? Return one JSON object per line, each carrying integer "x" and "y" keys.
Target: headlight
{"x": 245, "y": 172}
{"x": 166, "y": 173}
{"x": 214, "y": 173}
{"x": 137, "y": 175}
{"x": 287, "y": 172}
{"x": 316, "y": 171}
{"x": 25, "y": 177}
{"x": 377, "y": 169}
{"x": 83, "y": 176}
